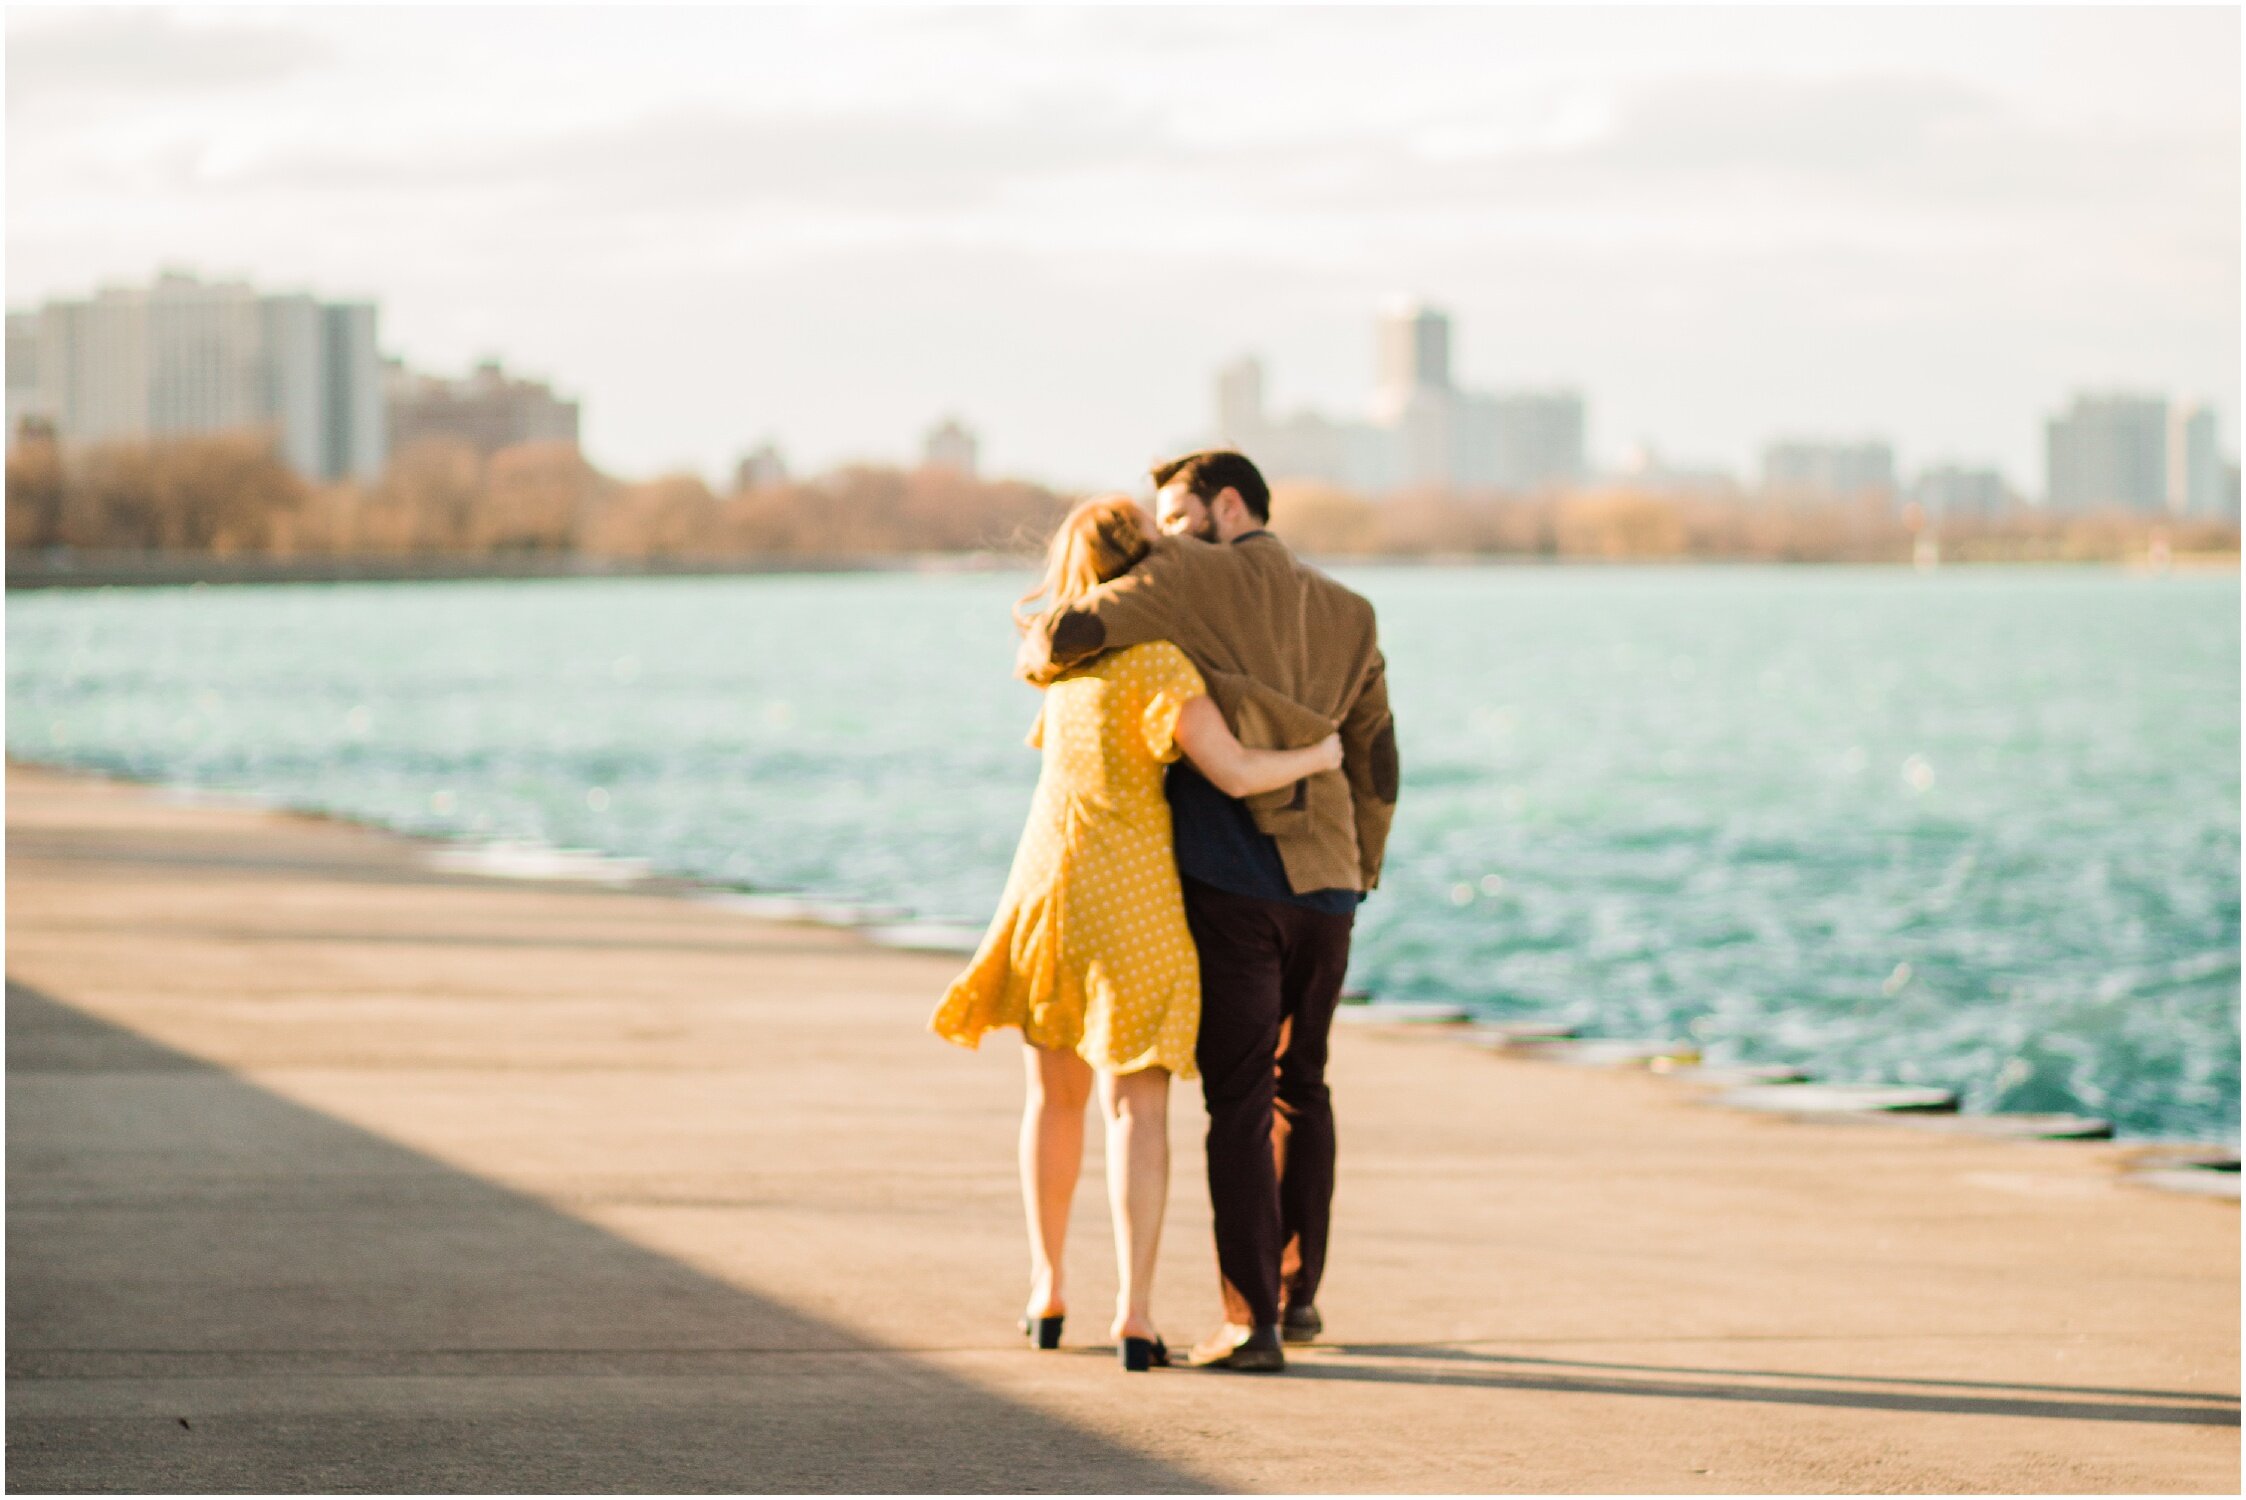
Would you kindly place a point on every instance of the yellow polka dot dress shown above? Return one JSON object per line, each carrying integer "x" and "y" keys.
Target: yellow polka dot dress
{"x": 1089, "y": 951}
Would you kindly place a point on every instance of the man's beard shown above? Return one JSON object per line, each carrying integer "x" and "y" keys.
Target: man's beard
{"x": 1204, "y": 530}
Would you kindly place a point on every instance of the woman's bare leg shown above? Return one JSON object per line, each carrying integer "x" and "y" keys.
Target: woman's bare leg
{"x": 1138, "y": 1188}
{"x": 1052, "y": 1154}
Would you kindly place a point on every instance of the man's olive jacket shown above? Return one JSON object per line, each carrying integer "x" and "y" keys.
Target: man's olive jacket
{"x": 1289, "y": 656}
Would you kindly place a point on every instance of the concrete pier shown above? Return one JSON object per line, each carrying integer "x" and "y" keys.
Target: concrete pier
{"x": 333, "y": 1169}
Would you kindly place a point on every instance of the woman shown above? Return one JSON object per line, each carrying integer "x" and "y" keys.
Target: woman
{"x": 1089, "y": 955}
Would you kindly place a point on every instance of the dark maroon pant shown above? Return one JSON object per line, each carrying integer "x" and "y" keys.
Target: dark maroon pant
{"x": 1270, "y": 977}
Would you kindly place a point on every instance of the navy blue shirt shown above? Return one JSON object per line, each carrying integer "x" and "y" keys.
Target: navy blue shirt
{"x": 1219, "y": 844}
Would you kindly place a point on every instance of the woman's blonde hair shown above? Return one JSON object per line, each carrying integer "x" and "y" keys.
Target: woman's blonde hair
{"x": 1099, "y": 540}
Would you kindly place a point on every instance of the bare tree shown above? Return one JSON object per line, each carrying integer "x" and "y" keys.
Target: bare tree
{"x": 538, "y": 497}
{"x": 35, "y": 494}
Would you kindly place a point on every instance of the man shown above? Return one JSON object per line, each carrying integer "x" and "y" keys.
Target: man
{"x": 1271, "y": 884}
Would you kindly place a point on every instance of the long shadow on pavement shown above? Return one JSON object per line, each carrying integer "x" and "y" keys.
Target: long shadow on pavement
{"x": 1466, "y": 1355}
{"x": 1532, "y": 1374}
{"x": 211, "y": 1288}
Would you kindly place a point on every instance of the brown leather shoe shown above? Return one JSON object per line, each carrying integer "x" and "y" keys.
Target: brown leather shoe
{"x": 1301, "y": 1325}
{"x": 1235, "y": 1347}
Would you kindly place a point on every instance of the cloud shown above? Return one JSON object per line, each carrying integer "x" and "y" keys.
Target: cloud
{"x": 703, "y": 161}
{"x": 96, "y": 56}
{"x": 1916, "y": 163}
{"x": 1713, "y": 220}
{"x": 893, "y": 163}
{"x": 1820, "y": 126}
{"x": 1913, "y": 144}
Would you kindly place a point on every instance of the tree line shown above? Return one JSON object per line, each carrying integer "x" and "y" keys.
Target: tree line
{"x": 231, "y": 495}
{"x": 1616, "y": 522}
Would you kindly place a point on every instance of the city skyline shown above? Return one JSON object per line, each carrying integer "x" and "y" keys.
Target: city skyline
{"x": 181, "y": 356}
{"x": 1419, "y": 426}
{"x": 716, "y": 226}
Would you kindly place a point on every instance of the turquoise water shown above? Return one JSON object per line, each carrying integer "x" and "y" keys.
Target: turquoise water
{"x": 1973, "y": 828}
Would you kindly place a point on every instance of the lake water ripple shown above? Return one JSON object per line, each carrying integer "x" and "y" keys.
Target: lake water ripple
{"x": 1977, "y": 829}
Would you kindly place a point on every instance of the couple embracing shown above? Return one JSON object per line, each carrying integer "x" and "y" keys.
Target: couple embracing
{"x": 1218, "y": 778}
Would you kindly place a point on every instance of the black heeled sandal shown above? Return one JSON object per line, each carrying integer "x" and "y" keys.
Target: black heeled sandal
{"x": 1043, "y": 1333}
{"x": 1143, "y": 1354}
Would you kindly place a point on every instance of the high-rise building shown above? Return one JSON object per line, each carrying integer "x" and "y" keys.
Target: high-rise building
{"x": 23, "y": 372}
{"x": 2108, "y": 452}
{"x": 760, "y": 468}
{"x": 950, "y": 445}
{"x": 488, "y": 410}
{"x": 354, "y": 419}
{"x": 1518, "y": 440}
{"x": 2195, "y": 464}
{"x": 1424, "y": 431}
{"x": 186, "y": 356}
{"x": 1413, "y": 353}
{"x": 1955, "y": 490}
{"x": 1817, "y": 469}
{"x": 294, "y": 333}
{"x": 1240, "y": 400}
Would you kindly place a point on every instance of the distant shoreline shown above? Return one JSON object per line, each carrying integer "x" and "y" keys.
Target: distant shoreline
{"x": 160, "y": 570}
{"x": 127, "y": 570}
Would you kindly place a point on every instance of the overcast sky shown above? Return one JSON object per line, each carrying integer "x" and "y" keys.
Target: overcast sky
{"x": 833, "y": 227}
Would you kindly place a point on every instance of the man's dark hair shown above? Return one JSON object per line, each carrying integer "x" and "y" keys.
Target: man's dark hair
{"x": 1206, "y": 475}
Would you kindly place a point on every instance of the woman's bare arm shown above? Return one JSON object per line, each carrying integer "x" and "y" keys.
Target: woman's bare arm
{"x": 1234, "y": 769}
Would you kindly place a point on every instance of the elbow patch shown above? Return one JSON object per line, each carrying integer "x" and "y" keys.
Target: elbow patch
{"x": 1076, "y": 634}
{"x": 1384, "y": 768}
